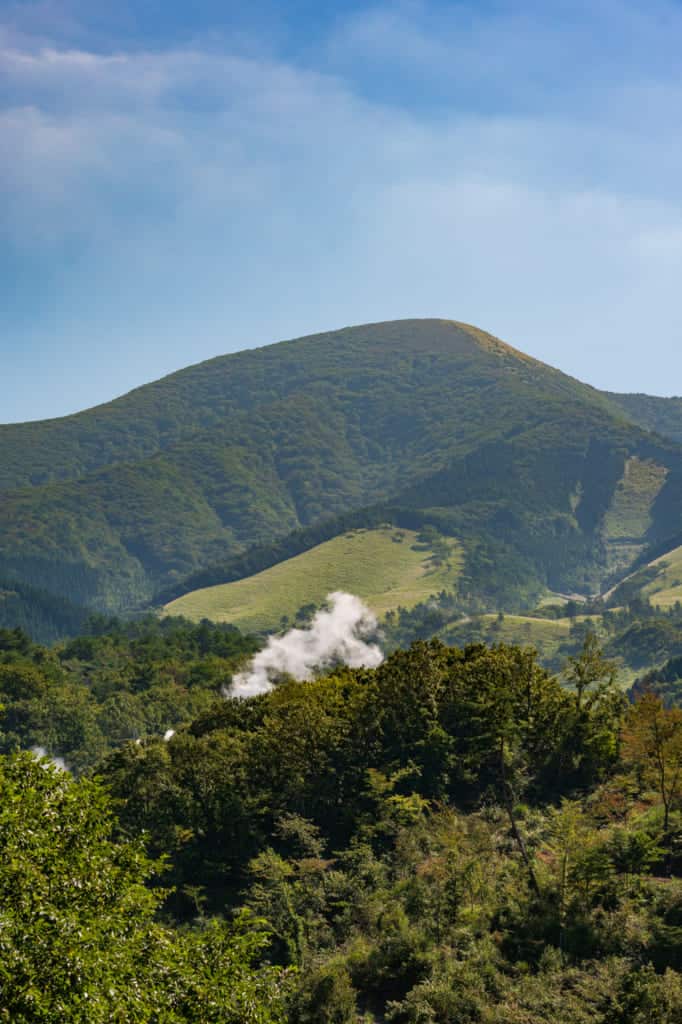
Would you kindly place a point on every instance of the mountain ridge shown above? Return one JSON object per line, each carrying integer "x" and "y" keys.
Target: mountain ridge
{"x": 115, "y": 505}
{"x": 659, "y": 415}
{"x": 37, "y": 431}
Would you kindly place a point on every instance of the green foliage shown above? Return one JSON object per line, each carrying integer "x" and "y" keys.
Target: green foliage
{"x": 84, "y": 697}
{"x": 453, "y": 836}
{"x": 360, "y": 750}
{"x": 662, "y": 415}
{"x": 328, "y": 998}
{"x": 44, "y": 616}
{"x": 79, "y": 941}
{"x": 665, "y": 681}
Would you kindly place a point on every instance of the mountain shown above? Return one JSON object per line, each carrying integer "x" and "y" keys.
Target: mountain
{"x": 661, "y": 415}
{"x": 544, "y": 480}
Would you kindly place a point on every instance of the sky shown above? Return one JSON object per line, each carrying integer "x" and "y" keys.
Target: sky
{"x": 179, "y": 181}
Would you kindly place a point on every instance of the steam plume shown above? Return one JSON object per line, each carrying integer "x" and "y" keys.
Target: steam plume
{"x": 41, "y": 754}
{"x": 335, "y": 634}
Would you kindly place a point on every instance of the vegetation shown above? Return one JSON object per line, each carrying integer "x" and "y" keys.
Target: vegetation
{"x": 665, "y": 588}
{"x": 122, "y": 682}
{"x": 436, "y": 424}
{"x": 630, "y": 515}
{"x": 554, "y": 639}
{"x": 451, "y": 837}
{"x": 476, "y": 831}
{"x": 637, "y": 635}
{"x": 386, "y": 567}
{"x": 42, "y": 615}
{"x": 80, "y": 941}
{"x": 662, "y": 415}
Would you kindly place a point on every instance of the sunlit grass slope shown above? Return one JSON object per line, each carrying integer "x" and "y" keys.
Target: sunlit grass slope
{"x": 546, "y": 635}
{"x": 630, "y": 514}
{"x": 387, "y": 567}
{"x": 552, "y": 638}
{"x": 666, "y": 589}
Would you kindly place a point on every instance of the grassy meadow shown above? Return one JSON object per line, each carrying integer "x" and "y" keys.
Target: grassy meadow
{"x": 666, "y": 589}
{"x": 547, "y": 635}
{"x": 387, "y": 567}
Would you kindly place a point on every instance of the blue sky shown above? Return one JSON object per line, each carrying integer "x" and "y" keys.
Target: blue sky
{"x": 181, "y": 180}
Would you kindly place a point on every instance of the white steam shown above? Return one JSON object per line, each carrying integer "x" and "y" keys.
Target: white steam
{"x": 336, "y": 634}
{"x": 41, "y": 754}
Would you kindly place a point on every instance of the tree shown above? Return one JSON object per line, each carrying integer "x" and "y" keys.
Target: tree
{"x": 326, "y": 997}
{"x": 580, "y": 859}
{"x": 590, "y": 668}
{"x": 591, "y": 746}
{"x": 652, "y": 745}
{"x": 79, "y": 940}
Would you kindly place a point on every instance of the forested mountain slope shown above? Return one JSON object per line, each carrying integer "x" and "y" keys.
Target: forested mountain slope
{"x": 44, "y": 616}
{"x": 663, "y": 415}
{"x": 436, "y": 421}
{"x": 380, "y": 362}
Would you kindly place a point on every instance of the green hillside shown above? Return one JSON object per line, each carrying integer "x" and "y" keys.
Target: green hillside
{"x": 42, "y": 615}
{"x": 665, "y": 589}
{"x": 547, "y": 635}
{"x": 417, "y": 422}
{"x": 224, "y": 400}
{"x": 553, "y": 639}
{"x": 658, "y": 581}
{"x": 630, "y": 515}
{"x": 387, "y": 567}
{"x": 662, "y": 415}
{"x": 635, "y": 639}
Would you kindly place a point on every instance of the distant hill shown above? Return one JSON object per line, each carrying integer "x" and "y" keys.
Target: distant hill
{"x": 662, "y": 415}
{"x": 387, "y": 567}
{"x": 658, "y": 581}
{"x": 544, "y": 480}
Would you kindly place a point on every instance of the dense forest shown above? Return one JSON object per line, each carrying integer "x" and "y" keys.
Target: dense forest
{"x": 43, "y": 615}
{"x": 453, "y": 836}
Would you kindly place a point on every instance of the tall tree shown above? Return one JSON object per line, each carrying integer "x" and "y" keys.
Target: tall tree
{"x": 652, "y": 745}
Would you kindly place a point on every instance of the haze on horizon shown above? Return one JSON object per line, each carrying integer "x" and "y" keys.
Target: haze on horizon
{"x": 189, "y": 180}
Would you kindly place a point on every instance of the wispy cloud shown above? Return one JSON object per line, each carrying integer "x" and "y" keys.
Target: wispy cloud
{"x": 503, "y": 166}
{"x": 532, "y": 54}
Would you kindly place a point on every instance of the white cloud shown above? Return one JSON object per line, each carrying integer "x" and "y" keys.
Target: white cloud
{"x": 243, "y": 199}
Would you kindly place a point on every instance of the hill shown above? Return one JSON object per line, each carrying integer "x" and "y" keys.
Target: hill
{"x": 665, "y": 588}
{"x": 662, "y": 415}
{"x": 658, "y": 581}
{"x": 414, "y": 422}
{"x": 387, "y": 568}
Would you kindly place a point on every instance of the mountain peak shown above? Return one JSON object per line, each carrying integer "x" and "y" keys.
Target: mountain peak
{"x": 436, "y": 417}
